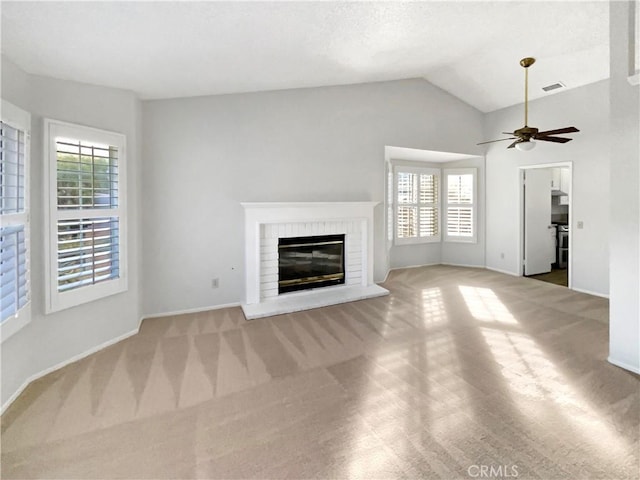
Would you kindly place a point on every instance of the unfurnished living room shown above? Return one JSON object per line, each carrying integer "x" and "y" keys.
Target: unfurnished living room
{"x": 320, "y": 240}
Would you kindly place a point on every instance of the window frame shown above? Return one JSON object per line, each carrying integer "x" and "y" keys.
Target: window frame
{"x": 20, "y": 119}
{"x": 420, "y": 170}
{"x": 473, "y": 205}
{"x": 54, "y": 299}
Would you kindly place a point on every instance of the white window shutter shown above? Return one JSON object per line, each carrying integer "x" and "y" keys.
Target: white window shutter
{"x": 13, "y": 278}
{"x": 14, "y": 220}
{"x": 86, "y": 251}
{"x": 417, "y": 205}
{"x": 460, "y": 205}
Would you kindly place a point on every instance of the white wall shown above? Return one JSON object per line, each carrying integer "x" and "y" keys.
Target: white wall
{"x": 624, "y": 319}
{"x": 53, "y": 339}
{"x": 203, "y": 156}
{"x": 586, "y": 108}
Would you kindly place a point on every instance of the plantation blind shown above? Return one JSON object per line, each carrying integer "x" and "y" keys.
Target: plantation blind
{"x": 86, "y": 253}
{"x": 87, "y": 181}
{"x": 14, "y": 259}
{"x": 416, "y": 205}
{"x": 460, "y": 205}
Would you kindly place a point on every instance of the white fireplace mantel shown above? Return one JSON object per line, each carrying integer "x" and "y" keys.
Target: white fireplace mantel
{"x": 267, "y": 221}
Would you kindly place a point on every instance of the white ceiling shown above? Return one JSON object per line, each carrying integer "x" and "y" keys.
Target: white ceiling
{"x": 178, "y": 49}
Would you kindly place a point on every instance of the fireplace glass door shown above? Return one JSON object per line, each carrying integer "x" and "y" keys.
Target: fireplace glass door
{"x": 310, "y": 262}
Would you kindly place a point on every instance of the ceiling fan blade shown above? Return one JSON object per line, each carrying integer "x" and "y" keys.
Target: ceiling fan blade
{"x": 554, "y": 139}
{"x": 515, "y": 143}
{"x": 557, "y": 131}
{"x": 492, "y": 141}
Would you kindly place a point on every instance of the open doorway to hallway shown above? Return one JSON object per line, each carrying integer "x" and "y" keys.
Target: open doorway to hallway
{"x": 546, "y": 205}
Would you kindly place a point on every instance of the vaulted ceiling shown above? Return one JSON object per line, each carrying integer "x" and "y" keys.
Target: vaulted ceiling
{"x": 178, "y": 49}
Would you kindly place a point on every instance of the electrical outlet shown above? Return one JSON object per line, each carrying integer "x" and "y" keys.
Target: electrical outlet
{"x": 215, "y": 283}
{"x": 580, "y": 225}
{"x": 502, "y": 256}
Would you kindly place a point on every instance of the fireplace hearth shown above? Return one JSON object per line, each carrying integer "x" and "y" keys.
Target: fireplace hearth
{"x": 310, "y": 262}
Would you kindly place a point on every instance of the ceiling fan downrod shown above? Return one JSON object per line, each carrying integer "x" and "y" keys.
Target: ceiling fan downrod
{"x": 526, "y": 63}
{"x": 523, "y": 136}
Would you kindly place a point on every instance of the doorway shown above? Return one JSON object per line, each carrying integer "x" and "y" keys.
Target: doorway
{"x": 545, "y": 243}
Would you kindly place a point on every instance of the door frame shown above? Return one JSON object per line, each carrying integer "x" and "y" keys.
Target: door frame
{"x": 521, "y": 170}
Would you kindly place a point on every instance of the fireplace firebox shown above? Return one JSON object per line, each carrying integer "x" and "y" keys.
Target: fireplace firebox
{"x": 310, "y": 262}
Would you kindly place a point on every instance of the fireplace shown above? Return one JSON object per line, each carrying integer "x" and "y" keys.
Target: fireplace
{"x": 274, "y": 231}
{"x": 310, "y": 262}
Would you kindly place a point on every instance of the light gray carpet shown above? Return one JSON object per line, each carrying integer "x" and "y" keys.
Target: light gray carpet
{"x": 456, "y": 370}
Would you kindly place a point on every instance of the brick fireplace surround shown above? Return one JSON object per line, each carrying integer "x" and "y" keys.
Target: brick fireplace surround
{"x": 266, "y": 222}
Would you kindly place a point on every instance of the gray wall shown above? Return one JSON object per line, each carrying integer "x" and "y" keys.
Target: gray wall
{"x": 53, "y": 339}
{"x": 203, "y": 156}
{"x": 586, "y": 108}
{"x": 624, "y": 320}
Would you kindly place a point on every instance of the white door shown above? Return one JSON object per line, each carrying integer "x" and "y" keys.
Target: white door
{"x": 539, "y": 240}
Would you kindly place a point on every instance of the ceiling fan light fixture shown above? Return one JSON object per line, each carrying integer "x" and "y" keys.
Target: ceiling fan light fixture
{"x": 524, "y": 136}
{"x": 526, "y": 146}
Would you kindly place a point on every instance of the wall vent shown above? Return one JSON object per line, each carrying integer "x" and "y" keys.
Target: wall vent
{"x": 554, "y": 86}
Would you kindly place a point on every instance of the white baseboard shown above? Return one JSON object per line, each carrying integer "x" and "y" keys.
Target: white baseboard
{"x": 624, "y": 365}
{"x": 462, "y": 265}
{"x": 408, "y": 266}
{"x": 190, "y": 310}
{"x": 506, "y": 272}
{"x": 66, "y": 362}
{"x": 589, "y": 292}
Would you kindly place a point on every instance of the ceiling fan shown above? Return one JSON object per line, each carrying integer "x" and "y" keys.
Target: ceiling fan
{"x": 524, "y": 136}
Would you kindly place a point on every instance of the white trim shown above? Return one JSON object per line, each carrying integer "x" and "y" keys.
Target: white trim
{"x": 20, "y": 119}
{"x": 466, "y": 265}
{"x": 55, "y": 300}
{"x": 257, "y": 215}
{"x": 520, "y": 257}
{"x": 19, "y": 320}
{"x": 626, "y": 366}
{"x": 191, "y": 310}
{"x": 546, "y": 165}
{"x": 276, "y": 205}
{"x": 418, "y": 170}
{"x": 473, "y": 171}
{"x": 66, "y": 362}
{"x": 506, "y": 272}
{"x": 589, "y": 292}
{"x": 309, "y": 299}
{"x": 408, "y": 266}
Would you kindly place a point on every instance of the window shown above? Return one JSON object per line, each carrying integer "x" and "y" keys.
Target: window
{"x": 87, "y": 249}
{"x": 15, "y": 305}
{"x": 460, "y": 208}
{"x": 416, "y": 205}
